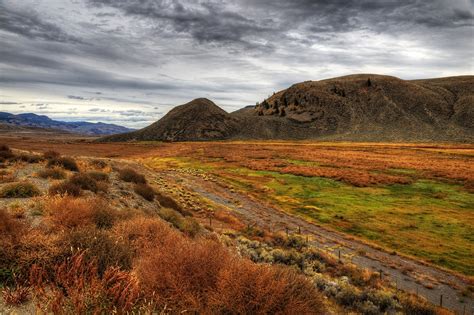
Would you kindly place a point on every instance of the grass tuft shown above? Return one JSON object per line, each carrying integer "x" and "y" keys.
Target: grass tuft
{"x": 20, "y": 190}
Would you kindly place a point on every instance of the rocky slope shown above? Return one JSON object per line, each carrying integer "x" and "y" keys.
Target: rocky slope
{"x": 364, "y": 107}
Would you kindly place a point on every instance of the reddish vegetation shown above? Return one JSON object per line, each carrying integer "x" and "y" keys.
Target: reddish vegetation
{"x": 86, "y": 258}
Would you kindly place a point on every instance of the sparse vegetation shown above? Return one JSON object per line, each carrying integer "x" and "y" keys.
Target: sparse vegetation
{"x": 19, "y": 190}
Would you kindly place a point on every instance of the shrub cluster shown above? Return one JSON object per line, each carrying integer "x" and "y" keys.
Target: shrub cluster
{"x": 145, "y": 190}
{"x": 130, "y": 175}
{"x": 65, "y": 162}
{"x": 65, "y": 188}
{"x": 5, "y": 152}
{"x": 19, "y": 190}
{"x": 78, "y": 182}
{"x": 187, "y": 225}
{"x": 53, "y": 173}
{"x": 201, "y": 276}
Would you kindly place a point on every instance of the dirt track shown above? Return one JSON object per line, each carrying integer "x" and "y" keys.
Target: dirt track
{"x": 406, "y": 274}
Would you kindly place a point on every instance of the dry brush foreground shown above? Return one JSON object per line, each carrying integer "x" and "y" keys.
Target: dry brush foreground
{"x": 114, "y": 250}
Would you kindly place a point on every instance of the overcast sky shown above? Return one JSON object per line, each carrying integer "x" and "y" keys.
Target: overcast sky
{"x": 130, "y": 61}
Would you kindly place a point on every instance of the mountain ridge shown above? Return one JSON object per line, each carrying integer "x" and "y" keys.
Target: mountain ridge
{"x": 79, "y": 127}
{"x": 359, "y": 107}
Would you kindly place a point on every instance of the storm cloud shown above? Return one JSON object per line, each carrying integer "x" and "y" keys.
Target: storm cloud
{"x": 139, "y": 55}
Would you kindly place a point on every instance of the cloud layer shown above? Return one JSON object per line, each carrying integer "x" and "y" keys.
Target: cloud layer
{"x": 130, "y": 61}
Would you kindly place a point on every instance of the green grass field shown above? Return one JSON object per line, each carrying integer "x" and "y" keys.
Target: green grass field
{"x": 427, "y": 218}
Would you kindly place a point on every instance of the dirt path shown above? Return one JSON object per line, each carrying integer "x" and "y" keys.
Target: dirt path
{"x": 406, "y": 274}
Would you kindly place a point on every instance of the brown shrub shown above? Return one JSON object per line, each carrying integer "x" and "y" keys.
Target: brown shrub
{"x": 65, "y": 188}
{"x": 67, "y": 213}
{"x": 99, "y": 176}
{"x": 202, "y": 276}
{"x": 130, "y": 175}
{"x": 10, "y": 228}
{"x": 64, "y": 162}
{"x": 28, "y": 158}
{"x": 181, "y": 272}
{"x": 142, "y": 232}
{"x": 5, "y": 152}
{"x": 78, "y": 288}
{"x": 19, "y": 190}
{"x": 53, "y": 173}
{"x": 168, "y": 202}
{"x": 100, "y": 247}
{"x": 85, "y": 182}
{"x": 246, "y": 288}
{"x": 145, "y": 190}
{"x": 50, "y": 154}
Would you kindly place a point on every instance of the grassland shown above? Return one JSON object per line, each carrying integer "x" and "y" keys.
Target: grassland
{"x": 412, "y": 199}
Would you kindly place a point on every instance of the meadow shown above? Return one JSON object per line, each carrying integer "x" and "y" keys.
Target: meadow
{"x": 412, "y": 199}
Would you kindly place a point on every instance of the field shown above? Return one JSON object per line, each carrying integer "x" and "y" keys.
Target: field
{"x": 413, "y": 199}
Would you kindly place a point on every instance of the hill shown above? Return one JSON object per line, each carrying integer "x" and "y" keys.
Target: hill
{"x": 363, "y": 107}
{"x": 42, "y": 121}
{"x": 197, "y": 120}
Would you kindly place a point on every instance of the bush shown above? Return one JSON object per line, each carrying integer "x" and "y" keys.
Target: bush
{"x": 78, "y": 288}
{"x": 85, "y": 182}
{"x": 64, "y": 162}
{"x": 168, "y": 202}
{"x": 29, "y": 158}
{"x": 201, "y": 276}
{"x": 99, "y": 176}
{"x": 99, "y": 247}
{"x": 65, "y": 188}
{"x": 145, "y": 190}
{"x": 53, "y": 173}
{"x": 48, "y": 155}
{"x": 5, "y": 152}
{"x": 189, "y": 226}
{"x": 19, "y": 190}
{"x": 68, "y": 213}
{"x": 130, "y": 175}
{"x": 416, "y": 306}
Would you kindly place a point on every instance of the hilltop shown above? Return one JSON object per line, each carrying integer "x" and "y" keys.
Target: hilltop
{"x": 364, "y": 107}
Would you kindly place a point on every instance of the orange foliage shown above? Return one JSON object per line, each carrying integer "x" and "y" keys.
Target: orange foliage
{"x": 77, "y": 288}
{"x": 202, "y": 276}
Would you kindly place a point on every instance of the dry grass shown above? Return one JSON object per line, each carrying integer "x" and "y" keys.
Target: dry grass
{"x": 16, "y": 295}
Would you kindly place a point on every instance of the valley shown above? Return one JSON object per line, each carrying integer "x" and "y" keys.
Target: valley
{"x": 403, "y": 211}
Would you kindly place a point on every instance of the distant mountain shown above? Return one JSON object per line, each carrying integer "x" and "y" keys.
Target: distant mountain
{"x": 79, "y": 127}
{"x": 363, "y": 107}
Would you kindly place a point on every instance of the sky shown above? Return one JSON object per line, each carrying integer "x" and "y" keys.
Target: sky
{"x": 129, "y": 62}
